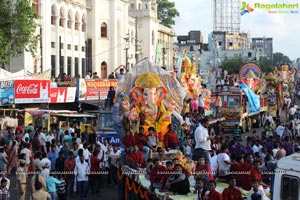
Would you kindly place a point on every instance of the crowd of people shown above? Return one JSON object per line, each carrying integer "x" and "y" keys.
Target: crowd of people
{"x": 55, "y": 164}
{"x": 211, "y": 156}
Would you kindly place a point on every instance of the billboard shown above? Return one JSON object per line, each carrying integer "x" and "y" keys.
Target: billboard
{"x": 62, "y": 95}
{"x": 32, "y": 91}
{"x": 91, "y": 89}
{"x": 6, "y": 93}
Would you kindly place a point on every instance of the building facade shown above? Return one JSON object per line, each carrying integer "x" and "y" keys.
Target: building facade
{"x": 264, "y": 45}
{"x": 78, "y": 36}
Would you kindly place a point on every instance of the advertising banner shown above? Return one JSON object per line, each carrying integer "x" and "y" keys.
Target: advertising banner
{"x": 32, "y": 91}
{"x": 112, "y": 137}
{"x": 90, "y": 89}
{"x": 62, "y": 95}
{"x": 6, "y": 93}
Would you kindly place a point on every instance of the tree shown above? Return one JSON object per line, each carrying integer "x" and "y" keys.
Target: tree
{"x": 265, "y": 64}
{"x": 233, "y": 65}
{"x": 166, "y": 12}
{"x": 280, "y": 58}
{"x": 17, "y": 27}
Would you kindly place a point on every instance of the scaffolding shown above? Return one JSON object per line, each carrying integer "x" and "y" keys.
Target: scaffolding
{"x": 226, "y": 15}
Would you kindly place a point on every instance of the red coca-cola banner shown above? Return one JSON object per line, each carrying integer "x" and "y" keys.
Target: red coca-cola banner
{"x": 62, "y": 95}
{"x": 32, "y": 91}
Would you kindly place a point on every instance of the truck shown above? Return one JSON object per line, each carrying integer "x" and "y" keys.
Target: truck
{"x": 286, "y": 182}
{"x": 241, "y": 107}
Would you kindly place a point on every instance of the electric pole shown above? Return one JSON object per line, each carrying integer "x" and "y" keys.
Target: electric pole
{"x": 137, "y": 46}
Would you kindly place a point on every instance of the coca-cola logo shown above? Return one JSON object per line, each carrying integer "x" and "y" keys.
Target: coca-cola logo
{"x": 28, "y": 89}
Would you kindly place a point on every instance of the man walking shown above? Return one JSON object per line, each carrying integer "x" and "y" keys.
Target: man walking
{"x": 81, "y": 172}
{"x": 203, "y": 141}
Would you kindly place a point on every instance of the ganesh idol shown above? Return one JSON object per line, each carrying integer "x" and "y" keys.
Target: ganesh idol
{"x": 149, "y": 95}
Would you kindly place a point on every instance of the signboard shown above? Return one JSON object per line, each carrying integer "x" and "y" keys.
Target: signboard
{"x": 112, "y": 137}
{"x": 6, "y": 93}
{"x": 62, "y": 95}
{"x": 90, "y": 89}
{"x": 32, "y": 91}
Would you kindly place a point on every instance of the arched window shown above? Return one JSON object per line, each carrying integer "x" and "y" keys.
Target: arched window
{"x": 103, "y": 69}
{"x": 77, "y": 21}
{"x": 35, "y": 5}
{"x": 53, "y": 15}
{"x": 69, "y": 19}
{"x": 61, "y": 17}
{"x": 83, "y": 26}
{"x": 103, "y": 30}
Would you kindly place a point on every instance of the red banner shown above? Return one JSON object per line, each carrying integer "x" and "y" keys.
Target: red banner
{"x": 91, "y": 88}
{"x": 32, "y": 91}
{"x": 62, "y": 95}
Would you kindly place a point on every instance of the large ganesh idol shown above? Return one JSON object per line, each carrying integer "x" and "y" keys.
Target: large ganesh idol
{"x": 150, "y": 96}
{"x": 189, "y": 79}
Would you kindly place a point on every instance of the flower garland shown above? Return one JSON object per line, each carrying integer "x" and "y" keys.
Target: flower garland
{"x": 138, "y": 190}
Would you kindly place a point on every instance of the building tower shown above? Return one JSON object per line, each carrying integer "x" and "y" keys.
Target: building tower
{"x": 226, "y": 15}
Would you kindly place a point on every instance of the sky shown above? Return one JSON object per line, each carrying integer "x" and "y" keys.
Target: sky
{"x": 283, "y": 28}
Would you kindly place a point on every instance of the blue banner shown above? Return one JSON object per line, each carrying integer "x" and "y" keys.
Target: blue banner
{"x": 112, "y": 137}
{"x": 253, "y": 99}
{"x": 7, "y": 94}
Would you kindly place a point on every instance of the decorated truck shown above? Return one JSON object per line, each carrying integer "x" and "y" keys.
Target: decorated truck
{"x": 243, "y": 106}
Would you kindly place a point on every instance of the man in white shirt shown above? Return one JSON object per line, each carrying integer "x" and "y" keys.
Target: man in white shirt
{"x": 270, "y": 118}
{"x": 257, "y": 192}
{"x": 71, "y": 129}
{"x": 42, "y": 137}
{"x": 224, "y": 162}
{"x": 27, "y": 152}
{"x": 45, "y": 162}
{"x": 280, "y": 129}
{"x": 49, "y": 137}
{"x": 26, "y": 135}
{"x": 202, "y": 139}
{"x": 81, "y": 172}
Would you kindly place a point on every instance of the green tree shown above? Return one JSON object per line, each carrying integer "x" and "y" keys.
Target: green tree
{"x": 166, "y": 12}
{"x": 265, "y": 64}
{"x": 233, "y": 65}
{"x": 17, "y": 27}
{"x": 280, "y": 58}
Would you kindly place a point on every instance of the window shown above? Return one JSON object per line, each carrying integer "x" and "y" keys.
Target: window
{"x": 76, "y": 47}
{"x": 62, "y": 45}
{"x": 233, "y": 102}
{"x": 153, "y": 38}
{"x": 82, "y": 48}
{"x": 61, "y": 17}
{"x": 83, "y": 26}
{"x": 53, "y": 15}
{"x": 69, "y": 68}
{"x": 76, "y": 22}
{"x": 52, "y": 44}
{"x": 289, "y": 187}
{"x": 103, "y": 30}
{"x": 35, "y": 5}
{"x": 69, "y": 47}
{"x": 69, "y": 20}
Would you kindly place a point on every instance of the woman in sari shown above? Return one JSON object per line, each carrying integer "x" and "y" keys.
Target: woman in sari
{"x": 13, "y": 157}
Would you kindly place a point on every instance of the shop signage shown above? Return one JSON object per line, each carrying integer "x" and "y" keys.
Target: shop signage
{"x": 62, "y": 95}
{"x": 91, "y": 89}
{"x": 6, "y": 93}
{"x": 32, "y": 91}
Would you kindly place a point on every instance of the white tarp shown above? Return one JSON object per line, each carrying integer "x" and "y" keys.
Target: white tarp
{"x": 175, "y": 90}
{"x": 23, "y": 74}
